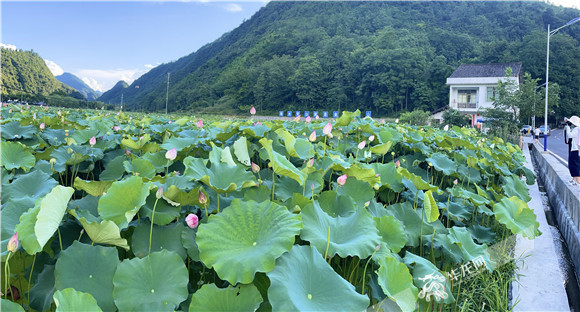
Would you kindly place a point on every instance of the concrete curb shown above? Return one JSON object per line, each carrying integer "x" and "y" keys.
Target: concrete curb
{"x": 540, "y": 286}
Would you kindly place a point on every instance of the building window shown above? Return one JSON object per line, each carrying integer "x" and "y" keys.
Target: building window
{"x": 466, "y": 98}
{"x": 491, "y": 94}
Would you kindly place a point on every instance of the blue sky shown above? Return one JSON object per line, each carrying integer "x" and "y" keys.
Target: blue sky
{"x": 104, "y": 42}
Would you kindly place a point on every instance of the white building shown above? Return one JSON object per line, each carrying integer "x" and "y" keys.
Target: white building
{"x": 472, "y": 86}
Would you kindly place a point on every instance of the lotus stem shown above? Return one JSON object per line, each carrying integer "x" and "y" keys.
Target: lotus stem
{"x": 218, "y": 202}
{"x": 151, "y": 228}
{"x": 59, "y": 238}
{"x": 7, "y": 277}
{"x": 421, "y": 234}
{"x": 30, "y": 277}
{"x": 365, "y": 271}
{"x": 327, "y": 244}
{"x": 273, "y": 183}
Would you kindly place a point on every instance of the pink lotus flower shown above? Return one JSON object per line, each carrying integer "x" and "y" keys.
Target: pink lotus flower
{"x": 310, "y": 162}
{"x": 341, "y": 180}
{"x": 128, "y": 152}
{"x": 192, "y": 220}
{"x": 327, "y": 130}
{"x": 253, "y": 111}
{"x": 13, "y": 243}
{"x": 372, "y": 138}
{"x": 258, "y": 123}
{"x": 59, "y": 113}
{"x": 255, "y": 168}
{"x": 201, "y": 198}
{"x": 34, "y": 116}
{"x": 398, "y": 164}
{"x": 397, "y": 120}
{"x": 297, "y": 119}
{"x": 312, "y": 136}
{"x": 116, "y": 128}
{"x": 169, "y": 121}
{"x": 362, "y": 144}
{"x": 171, "y": 154}
{"x": 455, "y": 182}
{"x": 446, "y": 128}
{"x": 93, "y": 141}
{"x": 159, "y": 193}
{"x": 308, "y": 119}
{"x": 42, "y": 125}
{"x": 199, "y": 124}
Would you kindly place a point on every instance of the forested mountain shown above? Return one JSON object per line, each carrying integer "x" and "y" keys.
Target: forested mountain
{"x": 386, "y": 57}
{"x": 25, "y": 71}
{"x": 79, "y": 85}
{"x": 114, "y": 94}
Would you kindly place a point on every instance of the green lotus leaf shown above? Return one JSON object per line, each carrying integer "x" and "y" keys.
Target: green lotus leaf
{"x": 382, "y": 148}
{"x": 417, "y": 180}
{"x": 239, "y": 298}
{"x": 424, "y": 273}
{"x": 165, "y": 212}
{"x": 460, "y": 211}
{"x": 397, "y": 283}
{"x": 482, "y": 234}
{"x": 360, "y": 191}
{"x": 303, "y": 281}
{"x": 25, "y": 230}
{"x": 241, "y": 151}
{"x": 440, "y": 241}
{"x": 70, "y": 299}
{"x": 179, "y": 143}
{"x": 41, "y": 292}
{"x": 392, "y": 233}
{"x": 88, "y": 269}
{"x": 7, "y": 305}
{"x": 220, "y": 177}
{"x": 517, "y": 216}
{"x": 52, "y": 210}
{"x": 295, "y": 147}
{"x": 158, "y": 160}
{"x": 104, "y": 232}
{"x": 136, "y": 144}
{"x": 246, "y": 238}
{"x": 15, "y": 155}
{"x": 281, "y": 165}
{"x": 442, "y": 163}
{"x": 286, "y": 187}
{"x": 336, "y": 205}
{"x": 513, "y": 186}
{"x": 389, "y": 176}
{"x": 123, "y": 200}
{"x": 157, "y": 282}
{"x": 226, "y": 157}
{"x": 114, "y": 169}
{"x": 362, "y": 174}
{"x": 430, "y": 206}
{"x": 353, "y": 235}
{"x": 470, "y": 250}
{"x": 166, "y": 237}
{"x": 411, "y": 220}
{"x": 469, "y": 174}
{"x": 188, "y": 241}
{"x": 13, "y": 130}
{"x": 346, "y": 118}
{"x": 140, "y": 167}
{"x": 94, "y": 188}
{"x": 476, "y": 199}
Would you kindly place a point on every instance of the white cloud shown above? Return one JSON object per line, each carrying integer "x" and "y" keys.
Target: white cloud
{"x": 54, "y": 68}
{"x": 8, "y": 46}
{"x": 103, "y": 80}
{"x": 233, "y": 7}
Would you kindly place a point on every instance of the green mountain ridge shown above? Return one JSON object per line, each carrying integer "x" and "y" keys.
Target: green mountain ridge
{"x": 386, "y": 57}
{"x": 26, "y": 72}
{"x": 79, "y": 85}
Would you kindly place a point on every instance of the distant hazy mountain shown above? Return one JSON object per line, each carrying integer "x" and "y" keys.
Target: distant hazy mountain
{"x": 114, "y": 94}
{"x": 76, "y": 83}
{"x": 26, "y": 71}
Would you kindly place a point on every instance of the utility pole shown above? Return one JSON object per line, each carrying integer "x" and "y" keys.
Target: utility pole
{"x": 167, "y": 94}
{"x": 122, "y": 100}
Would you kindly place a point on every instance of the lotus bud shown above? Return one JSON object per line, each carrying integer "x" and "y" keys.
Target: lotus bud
{"x": 372, "y": 138}
{"x": 159, "y": 193}
{"x": 308, "y": 119}
{"x": 52, "y": 161}
{"x": 253, "y": 111}
{"x": 316, "y": 117}
{"x": 171, "y": 154}
{"x": 310, "y": 162}
{"x": 397, "y": 120}
{"x": 192, "y": 220}
{"x": 128, "y": 152}
{"x": 201, "y": 198}
{"x": 13, "y": 243}
{"x": 397, "y": 164}
{"x": 199, "y": 124}
{"x": 378, "y": 247}
{"x": 367, "y": 203}
{"x": 446, "y": 128}
{"x": 297, "y": 119}
{"x": 455, "y": 182}
{"x": 59, "y": 113}
{"x": 362, "y": 144}
{"x": 116, "y": 128}
{"x": 255, "y": 168}
{"x": 93, "y": 141}
{"x": 341, "y": 180}
{"x": 312, "y": 136}
{"x": 328, "y": 130}
{"x": 169, "y": 122}
{"x": 34, "y": 116}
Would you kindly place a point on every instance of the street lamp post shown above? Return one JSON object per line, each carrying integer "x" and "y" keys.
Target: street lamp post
{"x": 551, "y": 33}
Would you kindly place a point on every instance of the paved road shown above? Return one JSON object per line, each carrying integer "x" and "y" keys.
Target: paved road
{"x": 556, "y": 144}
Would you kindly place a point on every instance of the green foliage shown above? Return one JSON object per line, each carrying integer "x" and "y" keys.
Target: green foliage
{"x": 453, "y": 117}
{"x": 416, "y": 118}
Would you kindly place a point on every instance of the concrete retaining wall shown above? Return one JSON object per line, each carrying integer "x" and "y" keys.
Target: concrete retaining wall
{"x": 564, "y": 199}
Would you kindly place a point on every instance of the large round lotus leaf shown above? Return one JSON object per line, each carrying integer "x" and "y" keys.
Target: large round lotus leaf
{"x": 360, "y": 191}
{"x": 336, "y": 205}
{"x": 397, "y": 283}
{"x": 281, "y": 165}
{"x": 104, "y": 232}
{"x": 354, "y": 235}
{"x": 123, "y": 200}
{"x": 71, "y": 300}
{"x": 287, "y": 187}
{"x": 88, "y": 269}
{"x": 470, "y": 250}
{"x": 7, "y": 305}
{"x": 425, "y": 272}
{"x": 220, "y": 177}
{"x": 140, "y": 167}
{"x": 13, "y": 130}
{"x": 52, "y": 209}
{"x": 41, "y": 292}
{"x": 392, "y": 232}
{"x": 165, "y": 213}
{"x": 94, "y": 188}
{"x": 157, "y": 282}
{"x": 303, "y": 281}
{"x": 517, "y": 216}
{"x": 15, "y": 155}
{"x": 442, "y": 163}
{"x": 247, "y": 237}
{"x": 240, "y": 298}
{"x": 167, "y": 237}
{"x": 411, "y": 220}
{"x": 114, "y": 169}
{"x": 515, "y": 187}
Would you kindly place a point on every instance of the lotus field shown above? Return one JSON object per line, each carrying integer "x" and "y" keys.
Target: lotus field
{"x": 110, "y": 211}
